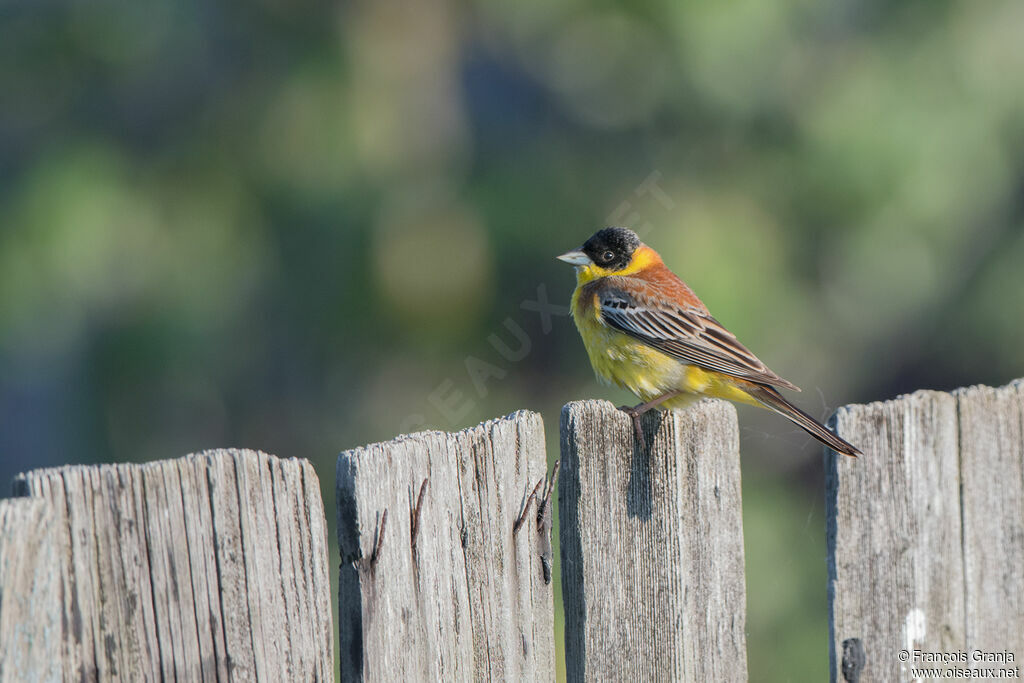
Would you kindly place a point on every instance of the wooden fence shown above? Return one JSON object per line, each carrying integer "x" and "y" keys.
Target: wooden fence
{"x": 450, "y": 587}
{"x": 210, "y": 567}
{"x": 214, "y": 566}
{"x": 652, "y": 545}
{"x": 926, "y": 532}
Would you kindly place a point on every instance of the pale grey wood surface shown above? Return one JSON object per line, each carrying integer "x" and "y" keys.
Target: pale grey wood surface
{"x": 925, "y": 530}
{"x": 895, "y": 570}
{"x": 208, "y": 567}
{"x": 467, "y": 600}
{"x": 29, "y": 593}
{"x": 652, "y": 545}
{"x": 992, "y": 478}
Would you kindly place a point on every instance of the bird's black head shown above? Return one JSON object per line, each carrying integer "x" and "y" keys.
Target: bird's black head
{"x": 611, "y": 248}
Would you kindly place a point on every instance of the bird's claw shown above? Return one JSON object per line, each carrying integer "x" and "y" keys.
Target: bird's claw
{"x": 637, "y": 427}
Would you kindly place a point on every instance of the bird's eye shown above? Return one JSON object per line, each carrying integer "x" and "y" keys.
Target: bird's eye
{"x": 608, "y": 256}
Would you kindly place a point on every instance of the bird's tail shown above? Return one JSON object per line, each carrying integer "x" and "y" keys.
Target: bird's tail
{"x": 770, "y": 398}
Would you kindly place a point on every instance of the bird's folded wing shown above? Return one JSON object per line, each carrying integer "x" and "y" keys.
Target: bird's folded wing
{"x": 690, "y": 335}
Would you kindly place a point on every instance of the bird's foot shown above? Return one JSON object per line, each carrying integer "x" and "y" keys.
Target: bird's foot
{"x": 635, "y": 412}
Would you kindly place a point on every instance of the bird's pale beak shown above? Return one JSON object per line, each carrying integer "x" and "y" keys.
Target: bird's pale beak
{"x": 576, "y": 258}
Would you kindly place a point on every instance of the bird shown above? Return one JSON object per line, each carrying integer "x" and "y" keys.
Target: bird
{"x": 646, "y": 331}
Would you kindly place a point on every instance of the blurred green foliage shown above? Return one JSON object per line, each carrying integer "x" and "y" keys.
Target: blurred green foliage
{"x": 301, "y": 226}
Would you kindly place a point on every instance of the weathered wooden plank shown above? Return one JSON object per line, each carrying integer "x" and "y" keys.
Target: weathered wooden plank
{"x": 895, "y": 570}
{"x": 29, "y": 593}
{"x": 462, "y": 597}
{"x": 992, "y": 478}
{"x": 652, "y": 545}
{"x": 187, "y": 569}
{"x": 926, "y": 531}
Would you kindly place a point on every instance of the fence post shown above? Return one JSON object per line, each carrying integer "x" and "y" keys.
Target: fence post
{"x": 29, "y": 607}
{"x": 435, "y": 583}
{"x": 926, "y": 532}
{"x": 212, "y": 566}
{"x": 652, "y": 545}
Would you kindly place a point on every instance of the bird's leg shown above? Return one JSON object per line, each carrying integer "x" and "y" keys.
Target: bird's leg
{"x": 638, "y": 410}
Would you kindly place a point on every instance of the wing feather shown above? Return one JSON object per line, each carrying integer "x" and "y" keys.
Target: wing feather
{"x": 689, "y": 334}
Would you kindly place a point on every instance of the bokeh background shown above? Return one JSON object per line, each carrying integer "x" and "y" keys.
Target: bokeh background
{"x": 304, "y": 226}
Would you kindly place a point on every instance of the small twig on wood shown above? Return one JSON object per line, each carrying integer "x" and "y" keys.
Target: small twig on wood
{"x": 544, "y": 507}
{"x": 544, "y": 524}
{"x": 380, "y": 540}
{"x": 526, "y": 507}
{"x": 416, "y": 513}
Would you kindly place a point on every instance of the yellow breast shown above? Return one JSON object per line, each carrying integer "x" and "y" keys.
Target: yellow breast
{"x": 620, "y": 359}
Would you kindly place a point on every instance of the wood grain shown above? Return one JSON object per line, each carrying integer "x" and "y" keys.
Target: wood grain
{"x": 895, "y": 571}
{"x": 208, "y": 567}
{"x": 467, "y": 599}
{"x": 926, "y": 531}
{"x": 29, "y": 598}
{"x": 992, "y": 479}
{"x": 652, "y": 545}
